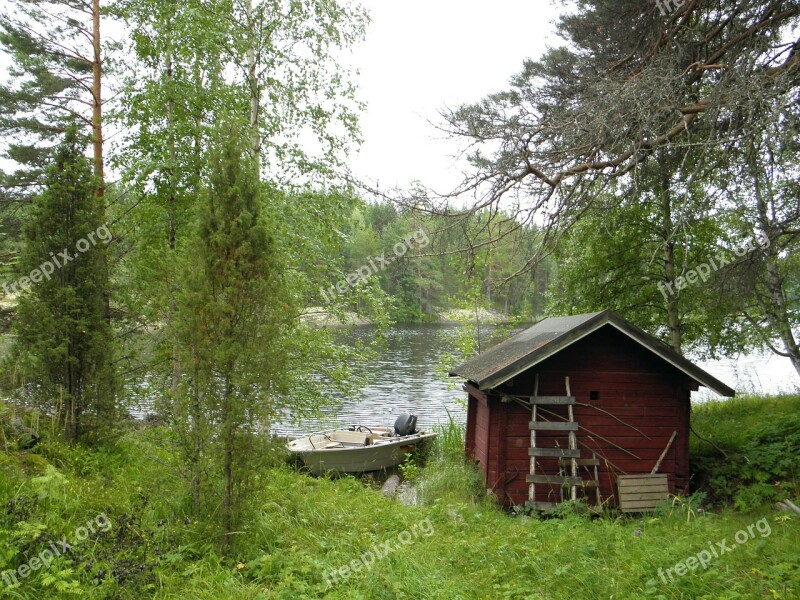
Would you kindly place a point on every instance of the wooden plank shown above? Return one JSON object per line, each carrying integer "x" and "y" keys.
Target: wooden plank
{"x": 652, "y": 503}
{"x": 583, "y": 462}
{"x": 640, "y": 506}
{"x": 532, "y": 461}
{"x": 640, "y": 482}
{"x": 475, "y": 393}
{"x": 641, "y": 479}
{"x": 554, "y": 479}
{"x": 650, "y": 490}
{"x": 554, "y": 452}
{"x": 642, "y": 492}
{"x": 641, "y": 503}
{"x": 588, "y": 484}
{"x": 626, "y": 498}
{"x": 552, "y": 426}
{"x": 640, "y": 489}
{"x": 643, "y": 489}
{"x": 541, "y": 505}
{"x": 552, "y": 400}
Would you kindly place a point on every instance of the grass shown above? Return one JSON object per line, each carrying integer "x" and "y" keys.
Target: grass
{"x": 301, "y": 530}
{"x": 751, "y": 452}
{"x": 5, "y": 344}
{"x": 732, "y": 423}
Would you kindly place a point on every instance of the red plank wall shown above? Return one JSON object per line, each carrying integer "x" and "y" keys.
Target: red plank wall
{"x": 633, "y": 385}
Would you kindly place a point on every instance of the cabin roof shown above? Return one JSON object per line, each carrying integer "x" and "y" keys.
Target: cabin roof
{"x": 550, "y": 336}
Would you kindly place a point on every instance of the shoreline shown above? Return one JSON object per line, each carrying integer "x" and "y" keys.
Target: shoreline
{"x": 319, "y": 316}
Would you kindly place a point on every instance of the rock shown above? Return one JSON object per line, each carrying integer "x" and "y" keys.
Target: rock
{"x": 390, "y": 486}
{"x": 408, "y": 494}
{"x": 27, "y": 438}
{"x": 787, "y": 506}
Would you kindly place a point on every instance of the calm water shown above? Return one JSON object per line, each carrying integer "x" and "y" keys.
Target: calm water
{"x": 405, "y": 378}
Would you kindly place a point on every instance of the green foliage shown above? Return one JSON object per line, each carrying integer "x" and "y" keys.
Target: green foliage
{"x": 302, "y": 528}
{"x": 451, "y": 439}
{"x": 51, "y": 485}
{"x": 448, "y": 477}
{"x": 46, "y": 87}
{"x": 232, "y": 322}
{"x": 409, "y": 468}
{"x": 761, "y": 438}
{"x": 62, "y": 355}
{"x": 614, "y": 258}
{"x": 455, "y": 262}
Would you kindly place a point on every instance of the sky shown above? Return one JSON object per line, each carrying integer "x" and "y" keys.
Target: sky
{"x": 421, "y": 56}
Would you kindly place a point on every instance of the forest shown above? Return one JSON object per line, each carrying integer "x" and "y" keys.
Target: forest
{"x": 178, "y": 214}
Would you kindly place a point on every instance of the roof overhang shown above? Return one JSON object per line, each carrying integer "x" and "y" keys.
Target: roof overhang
{"x": 602, "y": 319}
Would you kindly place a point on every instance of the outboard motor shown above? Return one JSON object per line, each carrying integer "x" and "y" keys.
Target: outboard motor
{"x": 405, "y": 424}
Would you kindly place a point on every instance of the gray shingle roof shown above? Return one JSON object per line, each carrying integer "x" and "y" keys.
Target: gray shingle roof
{"x": 527, "y": 348}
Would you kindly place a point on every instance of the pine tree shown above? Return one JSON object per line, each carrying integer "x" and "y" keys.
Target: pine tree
{"x": 62, "y": 351}
{"x": 56, "y": 79}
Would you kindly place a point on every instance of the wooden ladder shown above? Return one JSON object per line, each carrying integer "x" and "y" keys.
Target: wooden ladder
{"x": 569, "y": 456}
{"x": 592, "y": 466}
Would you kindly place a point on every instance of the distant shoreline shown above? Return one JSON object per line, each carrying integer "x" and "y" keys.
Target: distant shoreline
{"x": 320, "y": 316}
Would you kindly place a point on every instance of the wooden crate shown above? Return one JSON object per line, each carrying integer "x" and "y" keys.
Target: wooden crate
{"x": 641, "y": 493}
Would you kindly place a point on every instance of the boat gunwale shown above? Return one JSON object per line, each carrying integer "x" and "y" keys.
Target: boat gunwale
{"x": 387, "y": 442}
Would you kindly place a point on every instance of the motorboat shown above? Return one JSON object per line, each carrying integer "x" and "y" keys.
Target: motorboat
{"x": 359, "y": 448}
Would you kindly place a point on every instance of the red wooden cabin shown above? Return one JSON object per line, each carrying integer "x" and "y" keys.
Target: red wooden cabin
{"x": 628, "y": 393}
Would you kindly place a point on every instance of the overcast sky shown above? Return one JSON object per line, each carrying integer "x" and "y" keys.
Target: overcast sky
{"x": 420, "y": 56}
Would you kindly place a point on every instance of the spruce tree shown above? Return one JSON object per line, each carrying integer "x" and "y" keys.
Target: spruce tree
{"x": 234, "y": 317}
{"x": 62, "y": 351}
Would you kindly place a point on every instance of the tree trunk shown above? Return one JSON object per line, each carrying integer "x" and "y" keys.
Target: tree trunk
{"x": 773, "y": 302}
{"x": 172, "y": 204}
{"x": 671, "y": 299}
{"x": 97, "y": 102}
{"x": 228, "y": 432}
{"x": 196, "y": 416}
{"x": 252, "y": 80}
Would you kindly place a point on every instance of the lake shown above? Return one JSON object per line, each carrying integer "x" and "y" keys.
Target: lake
{"x": 405, "y": 378}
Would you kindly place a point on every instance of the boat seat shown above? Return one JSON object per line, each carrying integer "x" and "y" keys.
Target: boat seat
{"x": 349, "y": 439}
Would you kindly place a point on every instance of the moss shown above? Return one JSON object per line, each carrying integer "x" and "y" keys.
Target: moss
{"x": 33, "y": 464}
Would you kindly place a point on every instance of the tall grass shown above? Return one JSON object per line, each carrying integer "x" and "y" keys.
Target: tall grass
{"x": 451, "y": 439}
{"x": 302, "y": 528}
{"x": 6, "y": 341}
{"x": 448, "y": 476}
{"x": 750, "y": 451}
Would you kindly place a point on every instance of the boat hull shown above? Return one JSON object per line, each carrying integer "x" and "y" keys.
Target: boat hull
{"x": 381, "y": 454}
